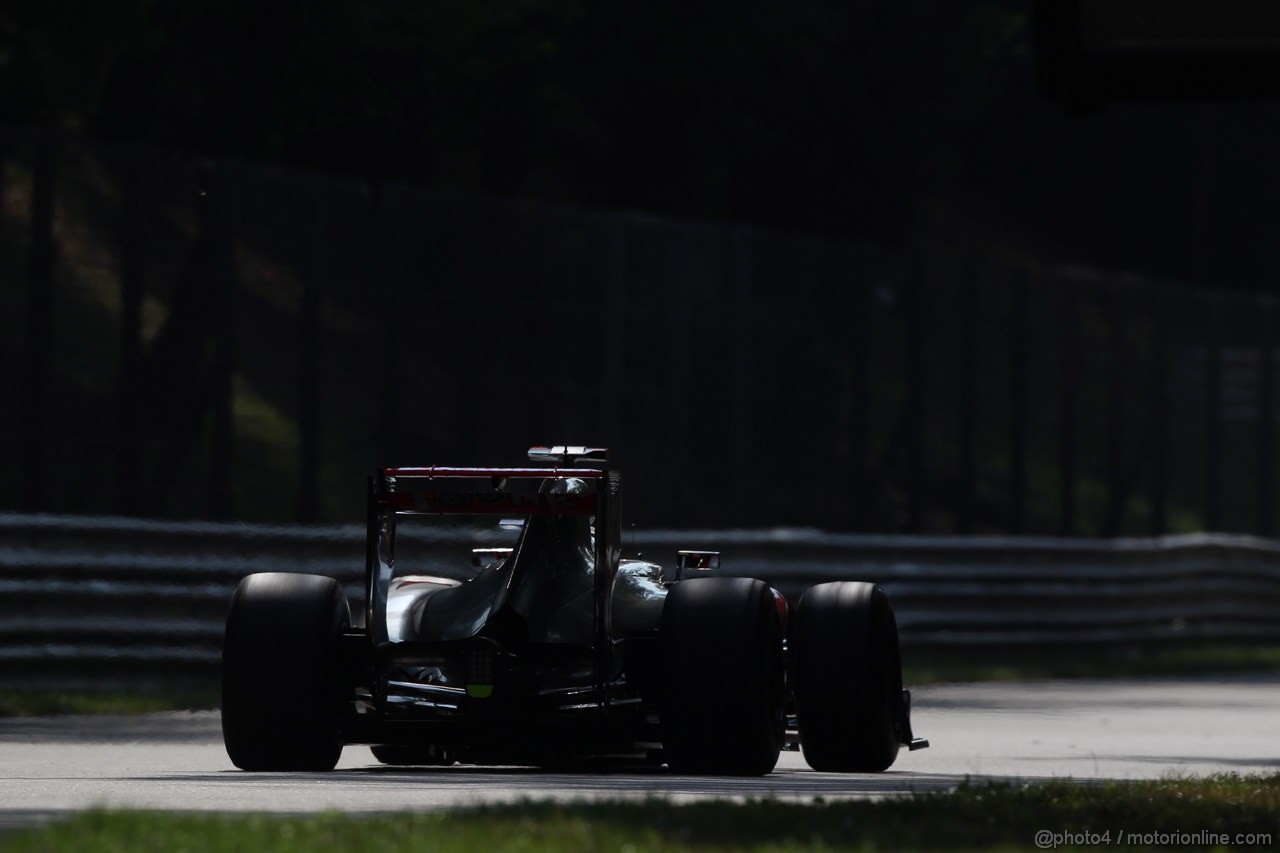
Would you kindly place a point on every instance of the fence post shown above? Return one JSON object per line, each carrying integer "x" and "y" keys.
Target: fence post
{"x": 915, "y": 391}
{"x": 1018, "y": 352}
{"x": 1263, "y": 523}
{"x": 42, "y": 258}
{"x": 384, "y": 267}
{"x": 1115, "y": 414}
{"x": 969, "y": 296}
{"x": 222, "y": 247}
{"x": 309, "y": 365}
{"x": 746, "y": 356}
{"x": 1158, "y": 395}
{"x": 1213, "y": 421}
{"x": 613, "y": 339}
{"x": 1067, "y": 406}
{"x": 132, "y": 264}
{"x": 860, "y": 403}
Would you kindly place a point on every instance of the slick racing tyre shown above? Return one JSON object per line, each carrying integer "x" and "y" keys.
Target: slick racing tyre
{"x": 282, "y": 685}
{"x": 848, "y": 677}
{"x": 723, "y": 680}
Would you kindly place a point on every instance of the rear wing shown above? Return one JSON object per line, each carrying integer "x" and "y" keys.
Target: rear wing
{"x": 481, "y": 491}
{"x": 499, "y": 491}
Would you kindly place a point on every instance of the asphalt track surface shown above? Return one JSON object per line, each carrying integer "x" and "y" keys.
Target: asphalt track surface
{"x": 1032, "y": 730}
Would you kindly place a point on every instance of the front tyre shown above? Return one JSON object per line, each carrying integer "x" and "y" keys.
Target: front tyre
{"x": 723, "y": 685}
{"x": 848, "y": 678}
{"x": 283, "y": 689}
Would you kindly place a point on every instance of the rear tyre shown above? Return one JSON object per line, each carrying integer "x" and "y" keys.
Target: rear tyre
{"x": 723, "y": 686}
{"x": 283, "y": 690}
{"x": 848, "y": 678}
{"x": 413, "y": 756}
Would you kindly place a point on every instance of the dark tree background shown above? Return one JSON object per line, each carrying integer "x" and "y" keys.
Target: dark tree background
{"x": 832, "y": 117}
{"x": 902, "y": 122}
{"x": 964, "y": 206}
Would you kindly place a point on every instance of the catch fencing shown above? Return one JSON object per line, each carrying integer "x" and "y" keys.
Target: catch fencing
{"x": 86, "y": 600}
{"x": 248, "y": 340}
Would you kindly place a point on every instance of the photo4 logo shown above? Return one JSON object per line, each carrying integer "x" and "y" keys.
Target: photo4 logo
{"x": 1049, "y": 840}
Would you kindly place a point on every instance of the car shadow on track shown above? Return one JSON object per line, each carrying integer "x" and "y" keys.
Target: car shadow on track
{"x": 523, "y": 782}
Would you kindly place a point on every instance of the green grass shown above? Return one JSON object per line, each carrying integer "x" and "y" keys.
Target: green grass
{"x": 932, "y": 666}
{"x": 979, "y": 817}
{"x": 47, "y": 701}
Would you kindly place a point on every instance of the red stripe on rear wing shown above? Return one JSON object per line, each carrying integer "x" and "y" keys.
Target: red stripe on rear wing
{"x": 487, "y": 503}
{"x": 536, "y": 473}
{"x": 485, "y": 491}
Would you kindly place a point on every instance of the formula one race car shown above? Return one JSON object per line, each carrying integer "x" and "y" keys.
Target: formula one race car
{"x": 532, "y": 641}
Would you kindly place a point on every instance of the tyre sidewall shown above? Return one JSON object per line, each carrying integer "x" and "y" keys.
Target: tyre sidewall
{"x": 723, "y": 685}
{"x": 282, "y": 688}
{"x": 847, "y": 677}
